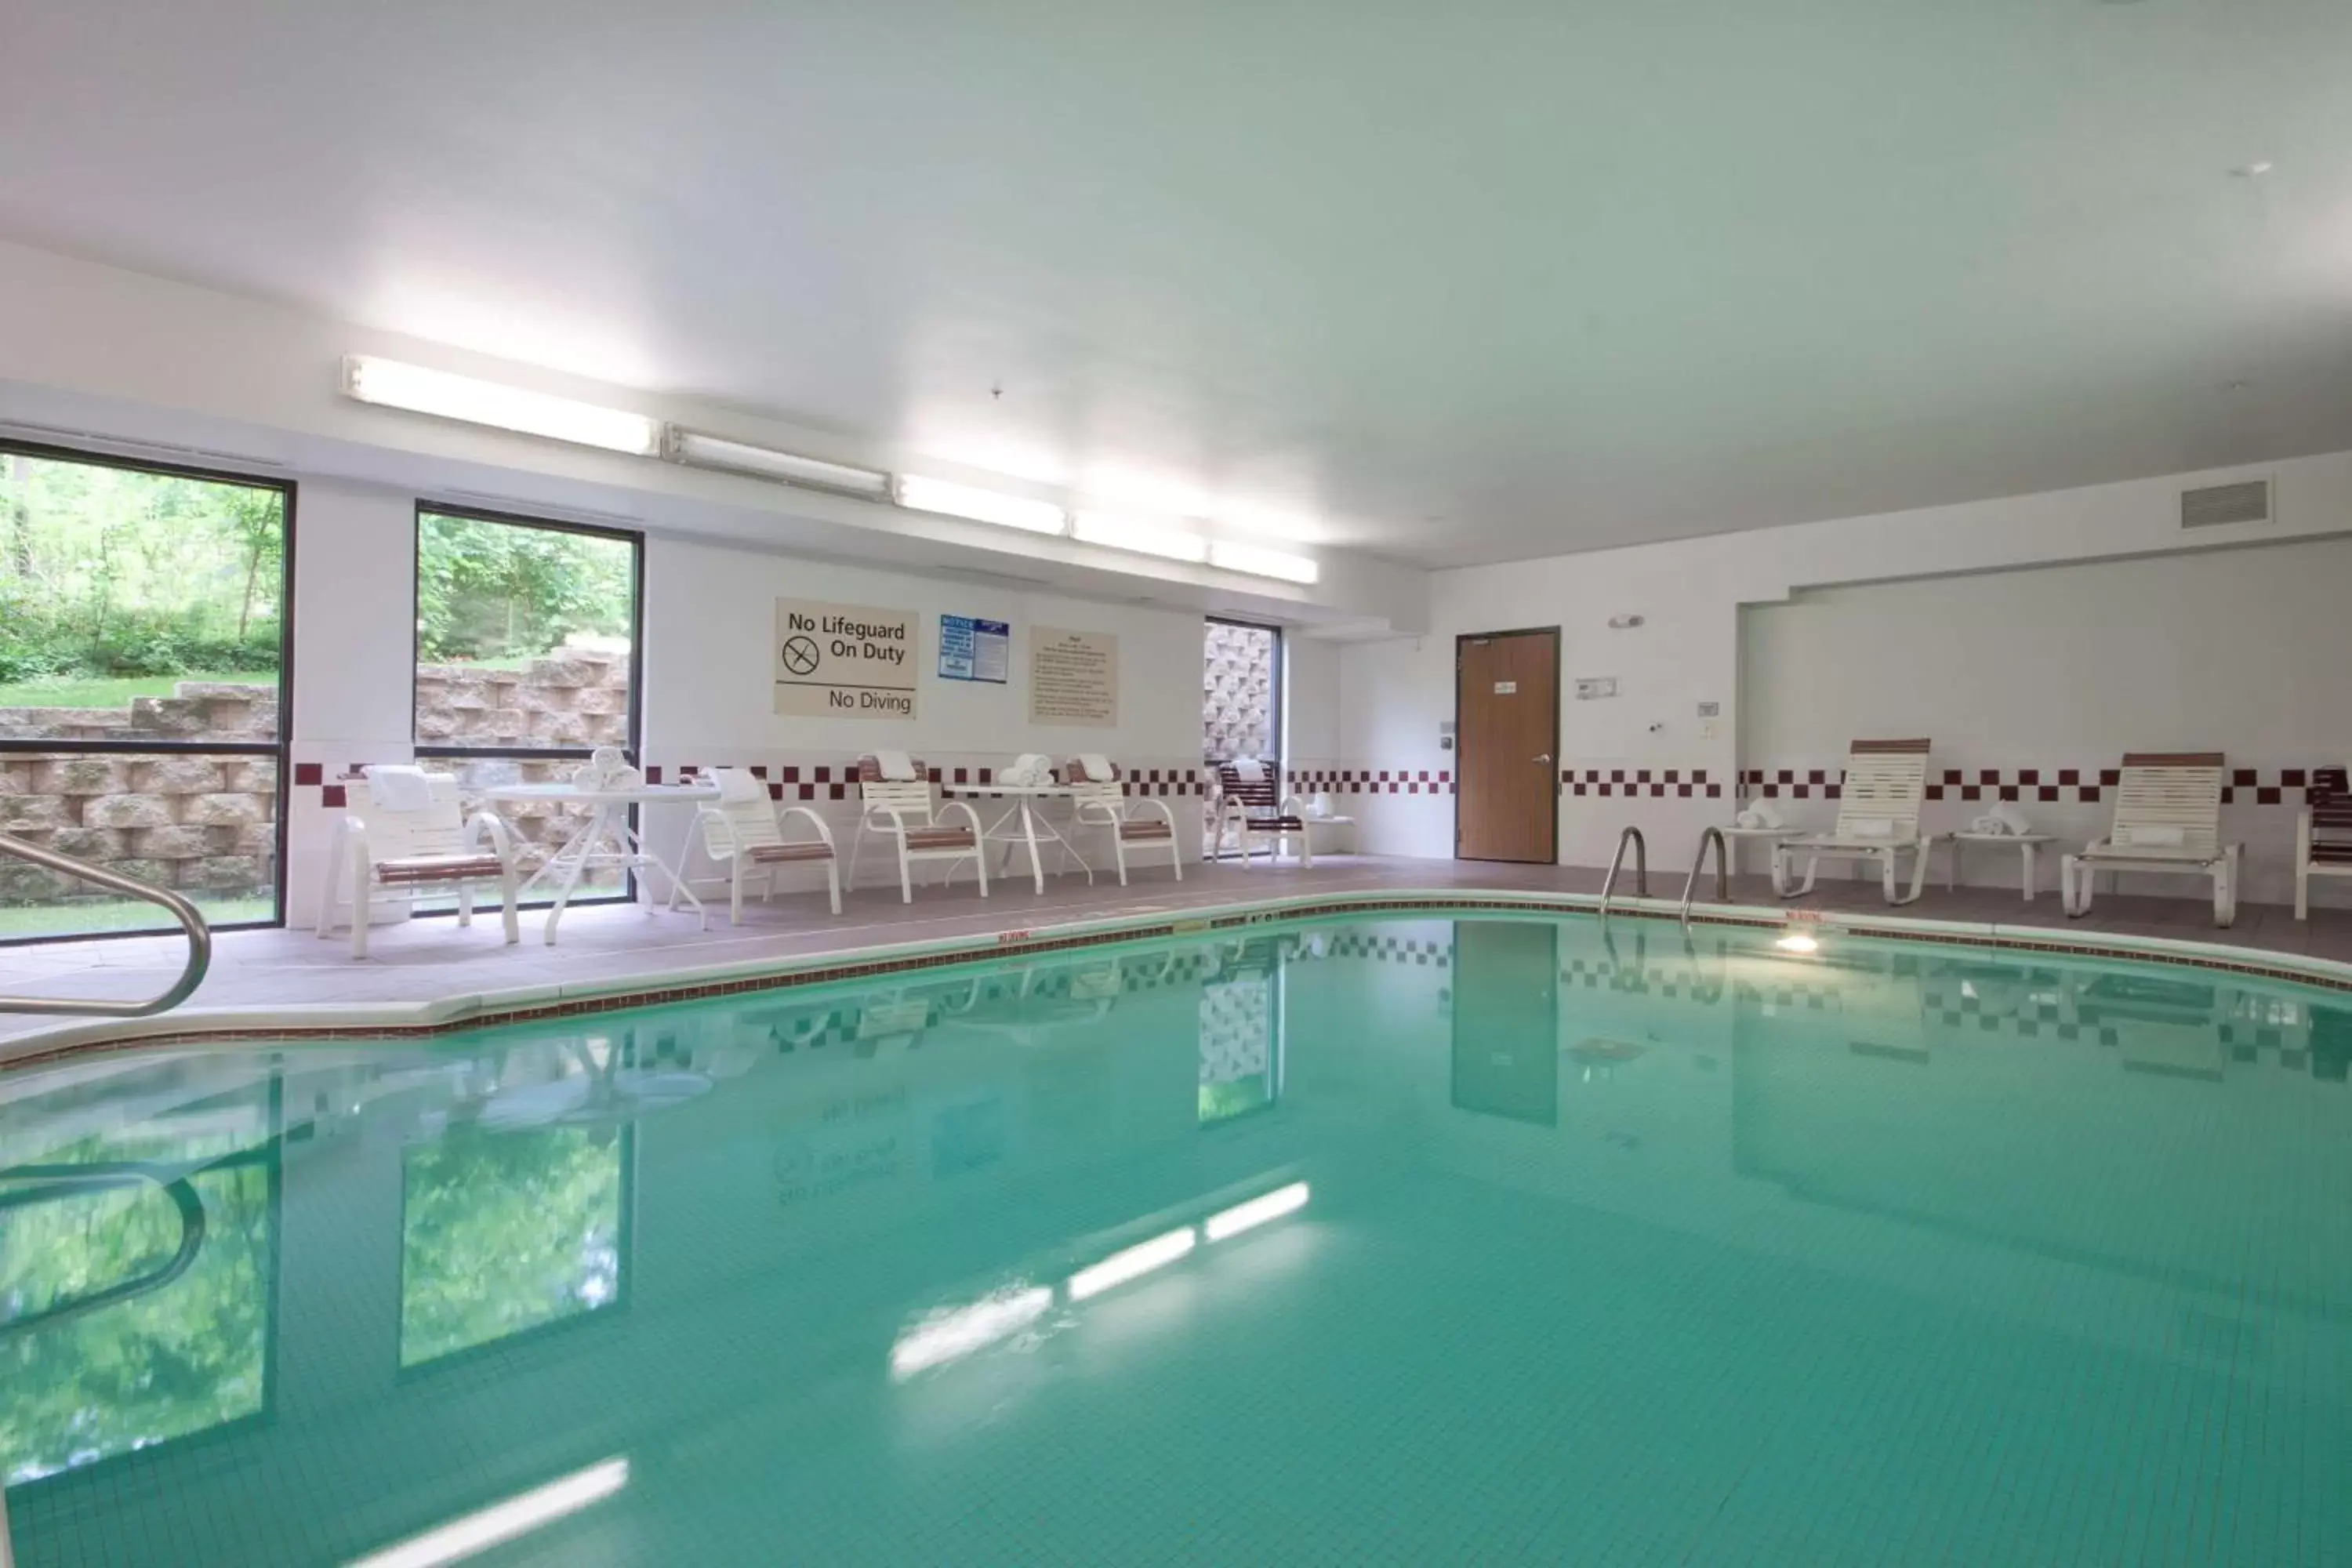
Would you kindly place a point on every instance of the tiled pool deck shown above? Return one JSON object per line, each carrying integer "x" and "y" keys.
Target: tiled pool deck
{"x": 431, "y": 960}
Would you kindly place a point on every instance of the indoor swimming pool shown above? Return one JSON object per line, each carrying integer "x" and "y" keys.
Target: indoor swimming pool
{"x": 1416, "y": 1239}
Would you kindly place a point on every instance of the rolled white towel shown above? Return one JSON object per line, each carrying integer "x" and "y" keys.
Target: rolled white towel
{"x": 400, "y": 788}
{"x": 1766, "y": 815}
{"x": 2012, "y": 820}
{"x": 1030, "y": 769}
{"x": 1097, "y": 767}
{"x": 896, "y": 767}
{"x": 1751, "y": 819}
{"x": 1249, "y": 768}
{"x": 1989, "y": 824}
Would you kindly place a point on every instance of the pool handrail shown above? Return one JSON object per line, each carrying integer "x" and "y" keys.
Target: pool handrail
{"x": 1722, "y": 871}
{"x": 199, "y": 934}
{"x": 1616, "y": 863}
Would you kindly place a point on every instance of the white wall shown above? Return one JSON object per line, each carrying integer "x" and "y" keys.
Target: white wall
{"x": 1395, "y": 694}
{"x": 2052, "y": 668}
{"x": 711, "y": 615}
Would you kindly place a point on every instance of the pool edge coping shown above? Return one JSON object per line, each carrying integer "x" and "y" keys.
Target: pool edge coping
{"x": 537, "y": 1004}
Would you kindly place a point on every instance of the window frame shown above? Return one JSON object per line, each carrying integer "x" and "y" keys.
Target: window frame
{"x": 281, "y": 748}
{"x": 633, "y": 748}
{"x": 1278, "y": 684}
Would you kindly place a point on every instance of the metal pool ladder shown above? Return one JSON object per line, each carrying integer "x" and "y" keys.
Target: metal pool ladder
{"x": 1616, "y": 863}
{"x": 200, "y": 937}
{"x": 1722, "y": 871}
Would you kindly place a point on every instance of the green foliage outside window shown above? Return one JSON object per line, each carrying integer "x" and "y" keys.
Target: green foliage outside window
{"x": 108, "y": 573}
{"x": 498, "y": 592}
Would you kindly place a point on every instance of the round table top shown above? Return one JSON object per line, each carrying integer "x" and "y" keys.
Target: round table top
{"x": 618, "y": 795}
{"x": 2008, "y": 837}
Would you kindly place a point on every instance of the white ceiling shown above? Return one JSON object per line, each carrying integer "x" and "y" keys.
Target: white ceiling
{"x": 1451, "y": 283}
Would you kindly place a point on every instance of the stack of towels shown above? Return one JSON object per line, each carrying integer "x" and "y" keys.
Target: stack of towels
{"x": 1030, "y": 769}
{"x": 2004, "y": 820}
{"x": 1760, "y": 814}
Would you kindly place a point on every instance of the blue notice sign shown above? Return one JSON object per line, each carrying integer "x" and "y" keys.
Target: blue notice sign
{"x": 972, "y": 650}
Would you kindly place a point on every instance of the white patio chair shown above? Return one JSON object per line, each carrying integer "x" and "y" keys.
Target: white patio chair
{"x": 1878, "y": 819}
{"x": 743, "y": 831}
{"x": 2323, "y": 836}
{"x": 2168, "y": 818}
{"x": 404, "y": 829}
{"x": 901, "y": 803}
{"x": 1141, "y": 824}
{"x": 1252, "y": 809}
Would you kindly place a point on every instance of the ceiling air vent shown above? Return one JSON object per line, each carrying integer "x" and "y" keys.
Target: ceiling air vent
{"x": 2218, "y": 504}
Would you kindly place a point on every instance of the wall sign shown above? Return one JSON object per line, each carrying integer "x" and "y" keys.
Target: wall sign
{"x": 1073, "y": 678}
{"x": 844, "y": 661}
{"x": 1507, "y": 689}
{"x": 971, "y": 649}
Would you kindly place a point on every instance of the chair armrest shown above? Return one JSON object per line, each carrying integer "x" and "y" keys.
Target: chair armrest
{"x": 969, "y": 814}
{"x": 1152, "y": 803}
{"x": 490, "y": 823}
{"x": 717, "y": 833}
{"x": 898, "y": 823}
{"x": 825, "y": 834}
{"x": 1292, "y": 805}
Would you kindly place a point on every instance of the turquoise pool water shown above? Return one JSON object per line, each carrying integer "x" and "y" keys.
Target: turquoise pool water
{"x": 1402, "y": 1241}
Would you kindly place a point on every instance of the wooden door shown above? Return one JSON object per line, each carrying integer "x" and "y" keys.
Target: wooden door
{"x": 1506, "y": 746}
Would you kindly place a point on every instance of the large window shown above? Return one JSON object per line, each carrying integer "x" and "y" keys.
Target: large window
{"x": 143, "y": 653}
{"x": 527, "y": 658}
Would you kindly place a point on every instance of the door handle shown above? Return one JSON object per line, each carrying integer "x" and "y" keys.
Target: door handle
{"x": 1544, "y": 758}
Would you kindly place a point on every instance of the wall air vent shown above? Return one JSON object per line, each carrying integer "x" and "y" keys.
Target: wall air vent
{"x": 2218, "y": 504}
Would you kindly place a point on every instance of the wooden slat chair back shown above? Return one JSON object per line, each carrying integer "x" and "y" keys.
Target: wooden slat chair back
{"x": 2324, "y": 834}
{"x": 909, "y": 813}
{"x": 2169, "y": 805}
{"x": 1255, "y": 810}
{"x": 1879, "y": 799}
{"x": 1138, "y": 825}
{"x": 433, "y": 845}
{"x": 1885, "y": 782}
{"x": 743, "y": 831}
{"x": 2168, "y": 817}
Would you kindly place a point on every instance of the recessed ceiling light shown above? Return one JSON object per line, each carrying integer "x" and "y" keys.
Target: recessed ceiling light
{"x": 2253, "y": 171}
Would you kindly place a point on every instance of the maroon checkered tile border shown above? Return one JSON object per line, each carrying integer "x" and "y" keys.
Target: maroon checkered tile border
{"x": 2250, "y": 786}
{"x": 1684, "y": 783}
{"x": 829, "y": 781}
{"x": 1372, "y": 781}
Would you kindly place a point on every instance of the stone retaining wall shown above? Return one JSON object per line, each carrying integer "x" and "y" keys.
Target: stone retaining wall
{"x": 209, "y": 823}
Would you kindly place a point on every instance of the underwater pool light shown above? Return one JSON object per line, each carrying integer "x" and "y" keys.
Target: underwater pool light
{"x": 1798, "y": 941}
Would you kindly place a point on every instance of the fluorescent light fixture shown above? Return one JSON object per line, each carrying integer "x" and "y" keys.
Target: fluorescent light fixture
{"x": 1150, "y": 539}
{"x": 1256, "y": 1212}
{"x": 765, "y": 462}
{"x": 917, "y": 494}
{"x": 952, "y": 1335}
{"x": 503, "y": 1522}
{"x": 1260, "y": 561}
{"x": 1798, "y": 941}
{"x": 1132, "y": 1264}
{"x": 393, "y": 384}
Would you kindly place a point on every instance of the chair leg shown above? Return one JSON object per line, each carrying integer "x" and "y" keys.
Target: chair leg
{"x": 905, "y": 883}
{"x": 980, "y": 865}
{"x": 1306, "y": 850}
{"x": 1175, "y": 856}
{"x": 509, "y": 896}
{"x": 735, "y": 891}
{"x": 857, "y": 843}
{"x": 833, "y": 883}
{"x": 465, "y": 905}
{"x": 2303, "y": 890}
{"x": 360, "y": 899}
{"x": 327, "y": 898}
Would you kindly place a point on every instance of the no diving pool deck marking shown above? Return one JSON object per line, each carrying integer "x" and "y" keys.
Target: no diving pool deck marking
{"x": 401, "y": 1024}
